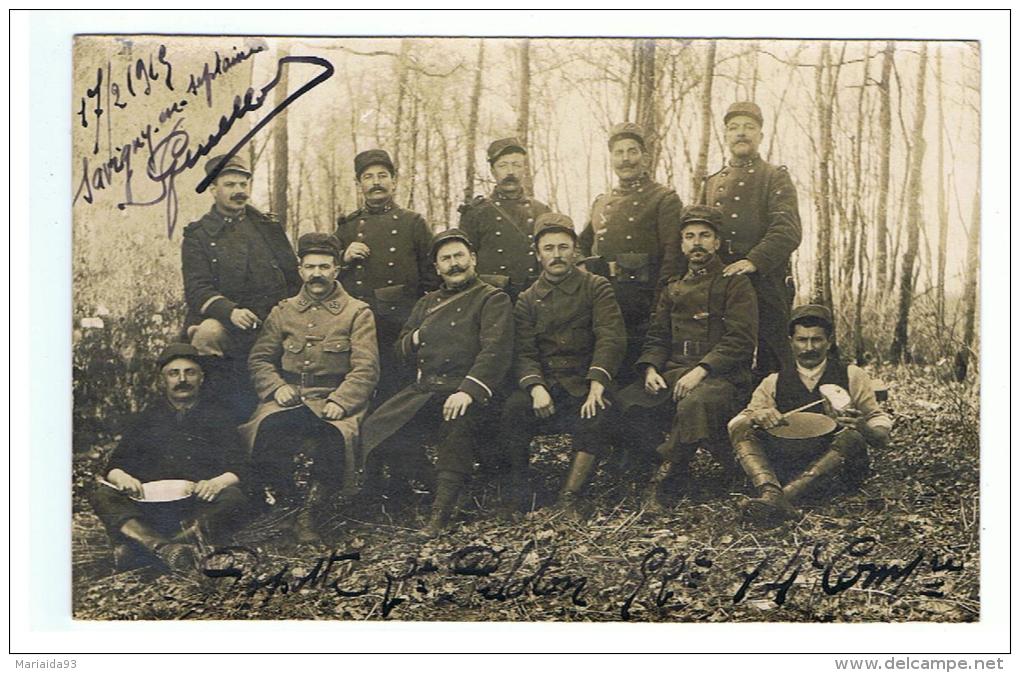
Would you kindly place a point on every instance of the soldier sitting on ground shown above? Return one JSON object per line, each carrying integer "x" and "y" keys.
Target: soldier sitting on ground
{"x": 569, "y": 342}
{"x": 186, "y": 436}
{"x": 314, "y": 366}
{"x": 785, "y": 470}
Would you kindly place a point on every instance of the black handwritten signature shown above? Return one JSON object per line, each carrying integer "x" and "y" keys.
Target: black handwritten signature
{"x": 175, "y": 153}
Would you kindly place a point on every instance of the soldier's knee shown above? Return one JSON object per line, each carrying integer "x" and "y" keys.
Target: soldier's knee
{"x": 739, "y": 428}
{"x": 210, "y": 337}
{"x": 851, "y": 444}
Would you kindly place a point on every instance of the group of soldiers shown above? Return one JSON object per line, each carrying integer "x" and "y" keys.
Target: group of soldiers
{"x": 656, "y": 331}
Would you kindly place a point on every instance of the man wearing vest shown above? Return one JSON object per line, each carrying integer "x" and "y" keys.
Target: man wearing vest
{"x": 783, "y": 471}
{"x": 385, "y": 259}
{"x": 697, "y": 355}
{"x": 760, "y": 229}
{"x": 460, "y": 337}
{"x": 569, "y": 343}
{"x": 314, "y": 366}
{"x": 631, "y": 229}
{"x": 500, "y": 226}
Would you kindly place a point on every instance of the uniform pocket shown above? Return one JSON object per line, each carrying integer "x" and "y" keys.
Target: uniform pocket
{"x": 336, "y": 355}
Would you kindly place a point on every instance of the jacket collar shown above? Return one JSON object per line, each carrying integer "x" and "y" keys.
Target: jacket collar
{"x": 571, "y": 284}
{"x": 744, "y": 163}
{"x": 334, "y": 302}
{"x": 714, "y": 266}
{"x": 381, "y": 208}
{"x": 215, "y": 222}
{"x": 446, "y": 291}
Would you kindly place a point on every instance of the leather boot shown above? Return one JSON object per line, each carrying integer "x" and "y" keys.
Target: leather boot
{"x": 651, "y": 502}
{"x": 580, "y": 471}
{"x": 448, "y": 488}
{"x": 770, "y": 508}
{"x": 178, "y": 557}
{"x": 305, "y": 531}
{"x": 830, "y": 461}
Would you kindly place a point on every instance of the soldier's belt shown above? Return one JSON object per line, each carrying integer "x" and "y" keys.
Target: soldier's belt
{"x": 313, "y": 380}
{"x": 691, "y": 348}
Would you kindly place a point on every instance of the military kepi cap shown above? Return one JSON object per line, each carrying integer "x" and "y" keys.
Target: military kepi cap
{"x": 447, "y": 236}
{"x": 811, "y": 311}
{"x": 372, "y": 158}
{"x": 709, "y": 215}
{"x": 626, "y": 130}
{"x": 234, "y": 164}
{"x": 549, "y": 222}
{"x": 178, "y": 350}
{"x": 504, "y": 146}
{"x": 745, "y": 108}
{"x": 318, "y": 243}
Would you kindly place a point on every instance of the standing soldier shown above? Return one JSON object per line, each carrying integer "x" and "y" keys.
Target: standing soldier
{"x": 385, "y": 259}
{"x": 314, "y": 366}
{"x": 631, "y": 229}
{"x": 460, "y": 337}
{"x": 500, "y": 226}
{"x": 697, "y": 354}
{"x": 237, "y": 265}
{"x": 569, "y": 343}
{"x": 761, "y": 229}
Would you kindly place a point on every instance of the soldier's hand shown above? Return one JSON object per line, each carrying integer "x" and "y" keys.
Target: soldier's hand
{"x": 848, "y": 418}
{"x": 243, "y": 318}
{"x": 286, "y": 396}
{"x": 356, "y": 250}
{"x": 333, "y": 411}
{"x": 125, "y": 482}
{"x": 767, "y": 418}
{"x": 208, "y": 489}
{"x": 654, "y": 381}
{"x": 542, "y": 402}
{"x": 739, "y": 267}
{"x": 688, "y": 382}
{"x": 456, "y": 405}
{"x": 595, "y": 400}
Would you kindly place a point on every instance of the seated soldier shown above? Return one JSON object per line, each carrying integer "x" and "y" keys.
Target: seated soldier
{"x": 184, "y": 435}
{"x": 697, "y": 354}
{"x": 314, "y": 366}
{"x": 806, "y": 465}
{"x": 460, "y": 338}
{"x": 570, "y": 340}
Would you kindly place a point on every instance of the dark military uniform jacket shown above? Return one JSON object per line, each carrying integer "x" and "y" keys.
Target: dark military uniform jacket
{"x": 501, "y": 230}
{"x": 231, "y": 262}
{"x": 761, "y": 223}
{"x": 197, "y": 444}
{"x": 632, "y": 228}
{"x": 397, "y": 271}
{"x": 465, "y": 343}
{"x": 704, "y": 318}
{"x": 570, "y": 333}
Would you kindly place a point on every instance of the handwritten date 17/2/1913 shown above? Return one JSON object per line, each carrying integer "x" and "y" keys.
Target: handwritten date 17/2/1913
{"x": 175, "y": 153}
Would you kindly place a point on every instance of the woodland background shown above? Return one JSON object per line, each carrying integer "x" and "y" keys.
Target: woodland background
{"x": 881, "y": 139}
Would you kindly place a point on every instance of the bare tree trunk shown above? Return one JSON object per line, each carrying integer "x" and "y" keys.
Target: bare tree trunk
{"x": 472, "y": 130}
{"x": 405, "y": 46}
{"x": 646, "y": 99}
{"x": 884, "y": 147}
{"x": 822, "y": 288}
{"x": 970, "y": 295}
{"x": 280, "y": 152}
{"x": 850, "y": 258}
{"x": 940, "y": 277}
{"x": 900, "y": 347}
{"x": 413, "y": 162}
{"x": 706, "y": 120}
{"x": 446, "y": 177}
{"x": 429, "y": 189}
{"x": 524, "y": 107}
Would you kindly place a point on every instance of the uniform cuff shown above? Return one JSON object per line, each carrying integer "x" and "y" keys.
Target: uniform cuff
{"x": 599, "y": 374}
{"x": 531, "y": 380}
{"x": 220, "y": 308}
{"x": 476, "y": 389}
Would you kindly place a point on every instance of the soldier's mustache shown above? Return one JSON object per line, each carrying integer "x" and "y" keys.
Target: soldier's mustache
{"x": 509, "y": 179}
{"x": 184, "y": 386}
{"x": 456, "y": 269}
{"x": 239, "y": 197}
{"x": 377, "y": 188}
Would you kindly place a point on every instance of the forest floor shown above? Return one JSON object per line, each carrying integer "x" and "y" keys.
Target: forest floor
{"x": 905, "y": 547}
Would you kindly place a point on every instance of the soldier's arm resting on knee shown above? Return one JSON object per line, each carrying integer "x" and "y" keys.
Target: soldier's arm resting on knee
{"x": 264, "y": 358}
{"x": 873, "y": 423}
